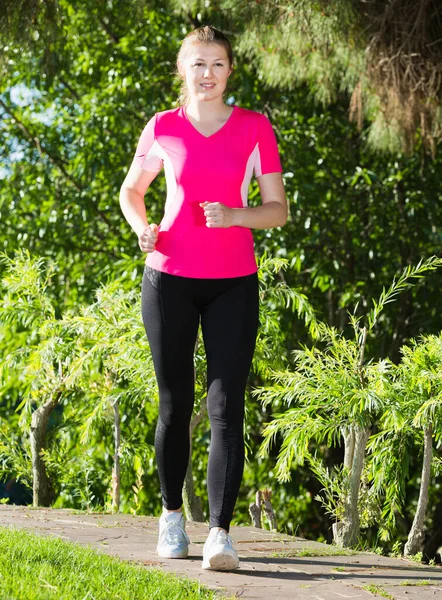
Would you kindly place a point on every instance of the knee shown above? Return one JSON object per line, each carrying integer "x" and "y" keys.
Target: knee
{"x": 175, "y": 411}
{"x": 224, "y": 406}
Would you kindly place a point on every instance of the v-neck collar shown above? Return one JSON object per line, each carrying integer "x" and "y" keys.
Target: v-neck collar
{"x": 208, "y": 137}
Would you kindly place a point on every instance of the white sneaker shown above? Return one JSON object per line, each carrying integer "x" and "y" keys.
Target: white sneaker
{"x": 173, "y": 541}
{"x": 218, "y": 552}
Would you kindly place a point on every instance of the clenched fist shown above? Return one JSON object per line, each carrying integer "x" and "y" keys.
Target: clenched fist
{"x": 148, "y": 238}
{"x": 217, "y": 214}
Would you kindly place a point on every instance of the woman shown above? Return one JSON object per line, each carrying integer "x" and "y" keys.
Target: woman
{"x": 200, "y": 267}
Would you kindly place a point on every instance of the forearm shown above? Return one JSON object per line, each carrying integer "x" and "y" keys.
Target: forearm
{"x": 134, "y": 209}
{"x": 266, "y": 216}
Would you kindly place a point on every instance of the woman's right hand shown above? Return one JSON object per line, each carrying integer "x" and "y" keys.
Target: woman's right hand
{"x": 148, "y": 238}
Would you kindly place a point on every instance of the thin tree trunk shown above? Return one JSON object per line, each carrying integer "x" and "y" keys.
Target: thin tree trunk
{"x": 43, "y": 493}
{"x": 268, "y": 509}
{"x": 116, "y": 474}
{"x": 346, "y": 532}
{"x": 349, "y": 445}
{"x": 255, "y": 510}
{"x": 416, "y": 535}
{"x": 361, "y": 437}
{"x": 192, "y": 503}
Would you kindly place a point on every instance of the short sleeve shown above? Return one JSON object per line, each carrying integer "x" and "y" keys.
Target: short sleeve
{"x": 148, "y": 152}
{"x": 267, "y": 160}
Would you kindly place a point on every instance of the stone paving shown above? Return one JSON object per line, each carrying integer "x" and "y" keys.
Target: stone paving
{"x": 273, "y": 565}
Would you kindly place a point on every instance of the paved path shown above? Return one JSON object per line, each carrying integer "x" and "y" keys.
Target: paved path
{"x": 273, "y": 566}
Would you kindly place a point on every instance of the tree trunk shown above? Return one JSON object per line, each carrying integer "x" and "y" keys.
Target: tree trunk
{"x": 116, "y": 475}
{"x": 192, "y": 503}
{"x": 266, "y": 494}
{"x": 346, "y": 532}
{"x": 349, "y": 445}
{"x": 416, "y": 535}
{"x": 255, "y": 511}
{"x": 43, "y": 492}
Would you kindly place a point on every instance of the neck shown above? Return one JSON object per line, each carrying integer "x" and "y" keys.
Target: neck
{"x": 201, "y": 111}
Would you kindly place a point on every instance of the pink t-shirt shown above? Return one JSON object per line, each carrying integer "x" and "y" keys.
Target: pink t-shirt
{"x": 199, "y": 169}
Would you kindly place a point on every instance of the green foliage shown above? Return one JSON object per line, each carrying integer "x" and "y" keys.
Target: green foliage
{"x": 416, "y": 557}
{"x": 413, "y": 403}
{"x": 396, "y": 549}
{"x": 335, "y": 487}
{"x": 404, "y": 282}
{"x": 330, "y": 391}
{"x": 69, "y": 129}
{"x": 15, "y": 455}
{"x": 96, "y": 356}
{"x": 85, "y": 362}
{"x": 35, "y": 364}
{"x": 356, "y": 50}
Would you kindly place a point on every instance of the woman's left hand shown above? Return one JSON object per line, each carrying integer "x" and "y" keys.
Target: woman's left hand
{"x": 217, "y": 214}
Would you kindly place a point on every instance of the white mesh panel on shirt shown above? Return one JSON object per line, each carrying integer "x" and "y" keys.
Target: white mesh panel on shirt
{"x": 153, "y": 159}
{"x": 171, "y": 184}
{"x": 253, "y": 164}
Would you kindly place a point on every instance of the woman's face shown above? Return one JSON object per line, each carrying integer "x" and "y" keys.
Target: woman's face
{"x": 206, "y": 69}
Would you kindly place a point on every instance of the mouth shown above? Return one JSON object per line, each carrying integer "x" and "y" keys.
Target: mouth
{"x": 207, "y": 86}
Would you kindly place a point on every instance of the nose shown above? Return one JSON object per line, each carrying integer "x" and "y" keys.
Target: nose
{"x": 207, "y": 72}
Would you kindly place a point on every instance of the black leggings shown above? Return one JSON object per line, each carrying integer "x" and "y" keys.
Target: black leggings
{"x": 172, "y": 307}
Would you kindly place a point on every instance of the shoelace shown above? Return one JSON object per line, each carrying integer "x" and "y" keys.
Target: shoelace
{"x": 174, "y": 533}
{"x": 222, "y": 538}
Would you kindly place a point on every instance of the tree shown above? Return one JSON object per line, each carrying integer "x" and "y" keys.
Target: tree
{"x": 39, "y": 366}
{"x": 413, "y": 411}
{"x": 97, "y": 360}
{"x": 72, "y": 106}
{"x": 386, "y": 56}
{"x": 334, "y": 392}
{"x": 113, "y": 369}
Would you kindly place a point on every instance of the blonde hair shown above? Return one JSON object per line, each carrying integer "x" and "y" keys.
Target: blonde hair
{"x": 202, "y": 35}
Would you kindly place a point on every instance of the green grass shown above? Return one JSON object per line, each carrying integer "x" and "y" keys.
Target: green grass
{"x": 40, "y": 568}
{"x": 305, "y": 552}
{"x": 422, "y": 583}
{"x": 377, "y": 591}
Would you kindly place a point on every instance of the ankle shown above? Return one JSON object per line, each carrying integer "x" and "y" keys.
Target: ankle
{"x": 170, "y": 512}
{"x": 214, "y": 530}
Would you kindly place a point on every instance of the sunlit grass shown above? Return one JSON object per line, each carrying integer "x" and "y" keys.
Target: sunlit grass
{"x": 306, "y": 552}
{"x": 40, "y": 568}
{"x": 377, "y": 590}
{"x": 422, "y": 583}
